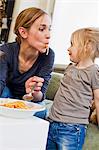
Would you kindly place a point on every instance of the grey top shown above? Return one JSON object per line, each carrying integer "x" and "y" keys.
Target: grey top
{"x": 72, "y": 100}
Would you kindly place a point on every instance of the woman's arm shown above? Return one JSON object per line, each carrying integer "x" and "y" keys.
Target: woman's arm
{"x": 96, "y": 99}
{"x": 3, "y": 71}
{"x": 45, "y": 69}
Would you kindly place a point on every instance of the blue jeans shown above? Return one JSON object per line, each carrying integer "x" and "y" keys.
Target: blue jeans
{"x": 7, "y": 94}
{"x": 64, "y": 136}
{"x": 41, "y": 114}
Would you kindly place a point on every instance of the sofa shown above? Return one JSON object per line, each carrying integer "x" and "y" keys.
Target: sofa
{"x": 92, "y": 135}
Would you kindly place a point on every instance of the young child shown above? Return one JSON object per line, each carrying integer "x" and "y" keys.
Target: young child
{"x": 79, "y": 86}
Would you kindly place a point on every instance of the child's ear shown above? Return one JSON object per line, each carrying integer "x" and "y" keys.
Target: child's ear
{"x": 90, "y": 48}
{"x": 23, "y": 32}
{"x": 88, "y": 45}
{"x": 97, "y": 50}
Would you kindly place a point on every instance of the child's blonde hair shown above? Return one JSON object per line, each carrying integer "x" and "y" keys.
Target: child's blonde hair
{"x": 87, "y": 40}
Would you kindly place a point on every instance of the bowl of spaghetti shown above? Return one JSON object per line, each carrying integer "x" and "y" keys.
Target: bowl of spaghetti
{"x": 18, "y": 108}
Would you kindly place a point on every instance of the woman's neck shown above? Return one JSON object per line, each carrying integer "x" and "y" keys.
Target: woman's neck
{"x": 27, "y": 53}
{"x": 27, "y": 57}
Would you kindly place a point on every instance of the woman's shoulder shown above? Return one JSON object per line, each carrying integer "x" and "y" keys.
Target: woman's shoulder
{"x": 10, "y": 50}
{"x": 51, "y": 51}
{"x": 50, "y": 56}
{"x": 8, "y": 46}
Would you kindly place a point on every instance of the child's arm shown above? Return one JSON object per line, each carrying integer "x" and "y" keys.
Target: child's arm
{"x": 96, "y": 98}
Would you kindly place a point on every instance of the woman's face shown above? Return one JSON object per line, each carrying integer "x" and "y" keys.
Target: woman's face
{"x": 38, "y": 35}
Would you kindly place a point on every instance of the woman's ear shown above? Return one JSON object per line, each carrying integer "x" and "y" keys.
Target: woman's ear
{"x": 23, "y": 32}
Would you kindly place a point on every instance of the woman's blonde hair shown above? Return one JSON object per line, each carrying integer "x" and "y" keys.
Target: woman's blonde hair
{"x": 25, "y": 19}
{"x": 87, "y": 40}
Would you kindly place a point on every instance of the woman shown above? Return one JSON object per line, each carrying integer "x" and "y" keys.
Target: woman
{"x": 28, "y": 60}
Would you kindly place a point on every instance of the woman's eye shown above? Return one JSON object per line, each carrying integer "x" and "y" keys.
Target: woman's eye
{"x": 50, "y": 29}
{"x": 41, "y": 29}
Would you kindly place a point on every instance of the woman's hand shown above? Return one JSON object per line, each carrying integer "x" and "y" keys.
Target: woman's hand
{"x": 37, "y": 82}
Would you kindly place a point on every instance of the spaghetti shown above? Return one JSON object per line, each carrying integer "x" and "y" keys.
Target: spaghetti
{"x": 16, "y": 104}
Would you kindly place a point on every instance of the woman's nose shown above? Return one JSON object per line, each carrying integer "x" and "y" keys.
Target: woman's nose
{"x": 48, "y": 34}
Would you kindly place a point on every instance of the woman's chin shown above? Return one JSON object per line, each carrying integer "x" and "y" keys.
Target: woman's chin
{"x": 42, "y": 51}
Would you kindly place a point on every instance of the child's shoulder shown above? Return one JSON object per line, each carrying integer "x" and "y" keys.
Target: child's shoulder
{"x": 95, "y": 72}
{"x": 69, "y": 65}
{"x": 96, "y": 67}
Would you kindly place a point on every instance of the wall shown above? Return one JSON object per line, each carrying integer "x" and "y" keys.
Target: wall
{"x": 68, "y": 16}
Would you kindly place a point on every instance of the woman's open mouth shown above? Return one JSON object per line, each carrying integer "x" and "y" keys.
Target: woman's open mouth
{"x": 46, "y": 45}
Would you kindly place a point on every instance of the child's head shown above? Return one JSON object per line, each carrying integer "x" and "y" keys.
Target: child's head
{"x": 86, "y": 41}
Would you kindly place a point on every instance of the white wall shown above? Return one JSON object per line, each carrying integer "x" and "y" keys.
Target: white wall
{"x": 68, "y": 16}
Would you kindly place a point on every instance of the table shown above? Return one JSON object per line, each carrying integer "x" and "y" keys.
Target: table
{"x": 23, "y": 134}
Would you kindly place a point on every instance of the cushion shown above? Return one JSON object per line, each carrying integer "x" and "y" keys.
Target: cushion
{"x": 53, "y": 85}
{"x": 91, "y": 140}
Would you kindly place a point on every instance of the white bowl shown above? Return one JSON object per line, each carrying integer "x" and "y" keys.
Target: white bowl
{"x": 19, "y": 113}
